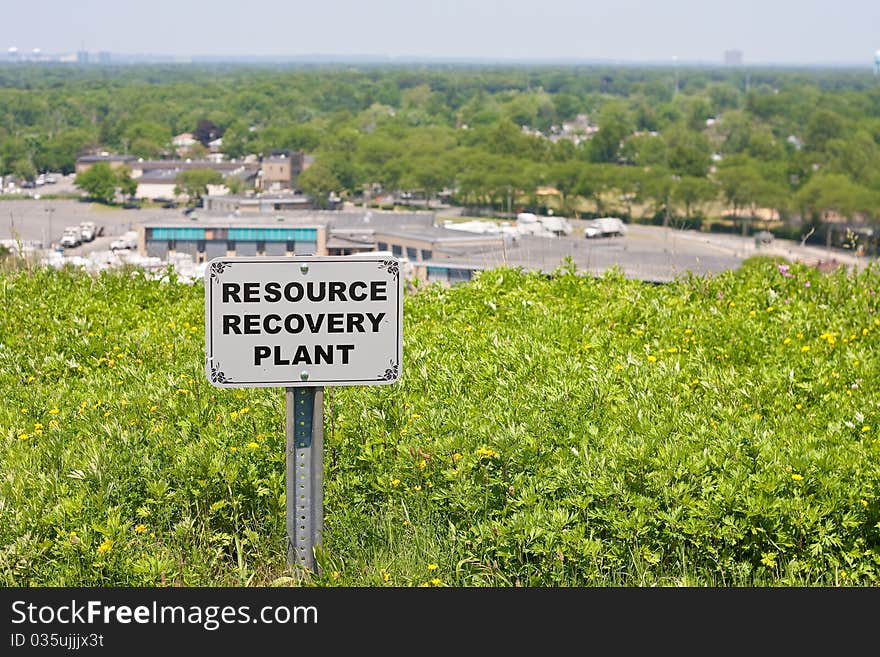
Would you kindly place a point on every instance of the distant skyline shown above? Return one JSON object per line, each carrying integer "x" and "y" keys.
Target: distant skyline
{"x": 623, "y": 31}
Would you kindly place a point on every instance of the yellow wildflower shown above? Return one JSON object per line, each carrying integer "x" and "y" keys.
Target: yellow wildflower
{"x": 433, "y": 566}
{"x": 253, "y": 445}
{"x": 105, "y": 546}
{"x": 652, "y": 359}
{"x": 797, "y": 477}
{"x": 140, "y": 529}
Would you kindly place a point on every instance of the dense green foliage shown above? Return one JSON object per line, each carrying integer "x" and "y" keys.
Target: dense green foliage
{"x": 799, "y": 142}
{"x": 101, "y": 182}
{"x": 546, "y": 430}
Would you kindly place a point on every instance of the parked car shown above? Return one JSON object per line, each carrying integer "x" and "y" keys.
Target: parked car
{"x": 126, "y": 242}
{"x": 604, "y": 227}
{"x": 71, "y": 237}
{"x": 87, "y": 231}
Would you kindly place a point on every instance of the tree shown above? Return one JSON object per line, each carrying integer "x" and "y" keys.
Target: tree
{"x": 688, "y": 151}
{"x": 127, "y": 185}
{"x": 318, "y": 182}
{"x": 567, "y": 178}
{"x": 658, "y": 186}
{"x": 206, "y": 131}
{"x": 194, "y": 182}
{"x": 99, "y": 181}
{"x": 692, "y": 192}
{"x": 24, "y": 168}
{"x": 615, "y": 125}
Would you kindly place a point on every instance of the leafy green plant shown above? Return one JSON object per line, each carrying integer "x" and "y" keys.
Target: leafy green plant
{"x": 557, "y": 430}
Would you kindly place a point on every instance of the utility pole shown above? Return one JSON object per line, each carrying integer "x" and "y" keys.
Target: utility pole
{"x": 50, "y": 210}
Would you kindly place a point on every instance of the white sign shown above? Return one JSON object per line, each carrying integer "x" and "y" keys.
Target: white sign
{"x": 303, "y": 321}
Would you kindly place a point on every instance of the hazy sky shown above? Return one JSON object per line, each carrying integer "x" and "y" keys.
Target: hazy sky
{"x": 766, "y": 31}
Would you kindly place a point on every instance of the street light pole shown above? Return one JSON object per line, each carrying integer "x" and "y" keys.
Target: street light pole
{"x": 51, "y": 211}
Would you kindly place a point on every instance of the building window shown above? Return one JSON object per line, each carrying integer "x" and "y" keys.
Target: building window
{"x": 412, "y": 253}
{"x": 381, "y": 246}
{"x": 427, "y": 254}
{"x": 396, "y": 250}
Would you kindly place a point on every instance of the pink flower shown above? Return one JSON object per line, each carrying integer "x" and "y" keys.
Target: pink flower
{"x": 783, "y": 269}
{"x": 807, "y": 284}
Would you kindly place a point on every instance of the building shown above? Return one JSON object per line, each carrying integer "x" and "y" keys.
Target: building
{"x": 115, "y": 160}
{"x": 280, "y": 170}
{"x": 204, "y": 238}
{"x": 733, "y": 58}
{"x": 434, "y": 253}
{"x": 183, "y": 140}
{"x": 259, "y": 203}
{"x": 158, "y": 178}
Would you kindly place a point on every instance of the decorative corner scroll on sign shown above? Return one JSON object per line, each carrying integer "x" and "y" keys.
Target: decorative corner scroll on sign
{"x": 391, "y": 266}
{"x": 217, "y": 375}
{"x": 218, "y": 268}
{"x": 390, "y": 373}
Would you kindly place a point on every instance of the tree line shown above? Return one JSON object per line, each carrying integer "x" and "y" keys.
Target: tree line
{"x": 800, "y": 142}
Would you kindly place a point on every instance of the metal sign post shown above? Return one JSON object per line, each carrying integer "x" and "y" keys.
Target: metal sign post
{"x": 302, "y": 323}
{"x": 304, "y": 432}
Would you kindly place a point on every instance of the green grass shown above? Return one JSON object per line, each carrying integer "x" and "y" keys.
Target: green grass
{"x": 546, "y": 431}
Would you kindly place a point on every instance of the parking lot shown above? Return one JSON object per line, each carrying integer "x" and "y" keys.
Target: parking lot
{"x": 42, "y": 222}
{"x": 650, "y": 253}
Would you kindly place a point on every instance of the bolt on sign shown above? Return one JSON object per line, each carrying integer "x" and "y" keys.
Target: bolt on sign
{"x": 303, "y": 321}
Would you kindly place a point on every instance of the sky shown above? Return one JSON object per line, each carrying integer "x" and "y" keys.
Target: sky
{"x": 766, "y": 31}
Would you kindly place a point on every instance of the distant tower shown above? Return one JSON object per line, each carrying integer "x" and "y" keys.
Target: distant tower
{"x": 13, "y": 54}
{"x": 733, "y": 57}
{"x": 877, "y": 63}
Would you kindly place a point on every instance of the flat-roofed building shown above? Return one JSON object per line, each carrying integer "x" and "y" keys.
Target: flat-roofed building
{"x": 212, "y": 237}
{"x": 115, "y": 160}
{"x": 259, "y": 203}
{"x": 280, "y": 170}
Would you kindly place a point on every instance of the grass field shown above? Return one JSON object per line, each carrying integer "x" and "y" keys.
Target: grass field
{"x": 546, "y": 431}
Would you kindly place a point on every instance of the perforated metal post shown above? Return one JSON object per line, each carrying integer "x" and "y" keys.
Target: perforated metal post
{"x": 304, "y": 431}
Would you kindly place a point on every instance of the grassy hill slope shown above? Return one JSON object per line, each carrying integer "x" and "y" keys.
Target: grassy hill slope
{"x": 557, "y": 430}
